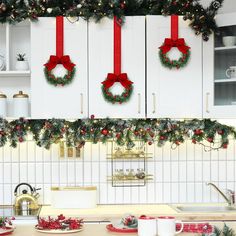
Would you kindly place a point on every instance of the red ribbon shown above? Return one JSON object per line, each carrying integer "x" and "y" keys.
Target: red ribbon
{"x": 174, "y": 41}
{"x": 179, "y": 43}
{"x": 60, "y": 58}
{"x": 64, "y": 60}
{"x": 117, "y": 76}
{"x": 113, "y": 78}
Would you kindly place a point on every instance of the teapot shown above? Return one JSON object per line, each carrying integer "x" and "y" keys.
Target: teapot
{"x": 26, "y": 203}
{"x": 231, "y": 72}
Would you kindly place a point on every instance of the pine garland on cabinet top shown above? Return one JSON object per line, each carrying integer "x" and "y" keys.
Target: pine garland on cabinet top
{"x": 211, "y": 134}
{"x": 201, "y": 20}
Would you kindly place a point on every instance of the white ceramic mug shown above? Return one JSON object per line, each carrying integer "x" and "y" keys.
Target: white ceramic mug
{"x": 166, "y": 226}
{"x": 229, "y": 41}
{"x": 231, "y": 72}
{"x": 147, "y": 226}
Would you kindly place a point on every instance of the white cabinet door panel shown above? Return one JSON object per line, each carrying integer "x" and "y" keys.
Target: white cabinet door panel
{"x": 173, "y": 93}
{"x": 101, "y": 63}
{"x": 70, "y": 101}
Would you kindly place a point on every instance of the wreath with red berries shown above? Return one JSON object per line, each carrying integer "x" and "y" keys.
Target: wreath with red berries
{"x": 125, "y": 82}
{"x": 183, "y": 48}
{"x": 68, "y": 65}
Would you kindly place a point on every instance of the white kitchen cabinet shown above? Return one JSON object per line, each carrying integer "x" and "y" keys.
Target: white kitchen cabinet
{"x": 219, "y": 91}
{"x": 101, "y": 63}
{"x": 173, "y": 93}
{"x": 14, "y": 39}
{"x": 48, "y": 101}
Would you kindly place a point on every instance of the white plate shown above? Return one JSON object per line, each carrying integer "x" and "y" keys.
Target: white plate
{"x": 57, "y": 231}
{"x": 7, "y": 231}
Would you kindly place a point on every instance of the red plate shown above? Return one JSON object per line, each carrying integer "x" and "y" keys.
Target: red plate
{"x": 111, "y": 228}
{"x": 7, "y": 231}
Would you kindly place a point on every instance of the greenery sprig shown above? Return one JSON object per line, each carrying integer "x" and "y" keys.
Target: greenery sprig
{"x": 201, "y": 20}
{"x": 211, "y": 134}
{"x": 226, "y": 231}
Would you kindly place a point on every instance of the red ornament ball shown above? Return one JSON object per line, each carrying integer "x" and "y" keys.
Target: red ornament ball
{"x": 225, "y": 145}
{"x": 92, "y": 117}
{"x": 198, "y": 131}
{"x": 220, "y": 132}
{"x": 162, "y": 137}
{"x": 150, "y": 143}
{"x": 210, "y": 140}
{"x": 18, "y": 127}
{"x": 194, "y": 141}
{"x": 21, "y": 139}
{"x": 118, "y": 135}
{"x": 105, "y": 132}
{"x": 122, "y": 5}
{"x": 177, "y": 142}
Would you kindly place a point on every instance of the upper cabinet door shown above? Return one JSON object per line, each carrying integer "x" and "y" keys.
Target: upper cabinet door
{"x": 70, "y": 101}
{"x": 101, "y": 63}
{"x": 219, "y": 64}
{"x": 173, "y": 93}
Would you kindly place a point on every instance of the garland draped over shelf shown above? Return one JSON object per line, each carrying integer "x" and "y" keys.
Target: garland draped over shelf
{"x": 201, "y": 20}
{"x": 210, "y": 134}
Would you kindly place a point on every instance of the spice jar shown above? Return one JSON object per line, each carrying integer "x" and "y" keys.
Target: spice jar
{"x": 21, "y": 105}
{"x": 3, "y": 105}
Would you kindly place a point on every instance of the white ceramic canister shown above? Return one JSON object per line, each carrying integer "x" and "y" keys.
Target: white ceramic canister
{"x": 3, "y": 105}
{"x": 74, "y": 197}
{"x": 147, "y": 226}
{"x": 21, "y": 105}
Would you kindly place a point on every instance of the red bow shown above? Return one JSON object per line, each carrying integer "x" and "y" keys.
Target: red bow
{"x": 113, "y": 78}
{"x": 179, "y": 43}
{"x": 55, "y": 60}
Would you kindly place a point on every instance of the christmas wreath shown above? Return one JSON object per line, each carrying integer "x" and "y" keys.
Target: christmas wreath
{"x": 181, "y": 62}
{"x": 68, "y": 65}
{"x": 174, "y": 41}
{"x": 125, "y": 82}
{"x": 59, "y": 58}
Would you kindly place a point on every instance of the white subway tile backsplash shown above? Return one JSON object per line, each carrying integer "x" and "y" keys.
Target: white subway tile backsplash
{"x": 214, "y": 171}
{"x": 180, "y": 174}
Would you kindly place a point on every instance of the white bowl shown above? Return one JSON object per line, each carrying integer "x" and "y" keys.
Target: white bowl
{"x": 229, "y": 41}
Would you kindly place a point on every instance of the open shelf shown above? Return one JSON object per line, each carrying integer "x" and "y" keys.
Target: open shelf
{"x": 225, "y": 80}
{"x": 225, "y": 48}
{"x": 15, "y": 74}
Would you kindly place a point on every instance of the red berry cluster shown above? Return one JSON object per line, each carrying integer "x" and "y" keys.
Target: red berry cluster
{"x": 60, "y": 223}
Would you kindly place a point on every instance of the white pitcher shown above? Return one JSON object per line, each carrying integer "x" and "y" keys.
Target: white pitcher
{"x": 231, "y": 72}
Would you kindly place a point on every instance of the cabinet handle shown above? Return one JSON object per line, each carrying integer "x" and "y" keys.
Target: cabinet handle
{"x": 82, "y": 103}
{"x": 207, "y": 102}
{"x": 154, "y": 102}
{"x": 139, "y": 103}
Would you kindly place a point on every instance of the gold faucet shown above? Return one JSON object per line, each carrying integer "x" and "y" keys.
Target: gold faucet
{"x": 230, "y": 198}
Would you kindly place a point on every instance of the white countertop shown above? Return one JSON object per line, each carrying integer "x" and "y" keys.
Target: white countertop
{"x": 109, "y": 212}
{"x": 94, "y": 230}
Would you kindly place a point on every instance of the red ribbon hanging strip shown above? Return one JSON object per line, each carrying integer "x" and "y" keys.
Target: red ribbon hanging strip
{"x": 117, "y": 76}
{"x": 117, "y": 47}
{"x": 59, "y": 36}
{"x": 174, "y": 27}
{"x": 174, "y": 41}
{"x": 60, "y": 58}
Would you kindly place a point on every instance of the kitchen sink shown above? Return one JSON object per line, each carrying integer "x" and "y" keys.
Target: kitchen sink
{"x": 205, "y": 208}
